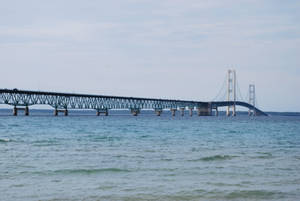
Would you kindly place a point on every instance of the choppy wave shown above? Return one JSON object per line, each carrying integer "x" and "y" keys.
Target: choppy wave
{"x": 221, "y": 184}
{"x": 264, "y": 155}
{"x": 89, "y": 171}
{"x": 214, "y": 158}
{"x": 44, "y": 143}
{"x": 77, "y": 171}
{"x": 253, "y": 194}
{"x": 5, "y": 140}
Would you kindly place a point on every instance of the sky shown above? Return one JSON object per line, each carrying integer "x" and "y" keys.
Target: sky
{"x": 177, "y": 49}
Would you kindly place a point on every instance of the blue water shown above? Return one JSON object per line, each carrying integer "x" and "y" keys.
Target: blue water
{"x": 121, "y": 157}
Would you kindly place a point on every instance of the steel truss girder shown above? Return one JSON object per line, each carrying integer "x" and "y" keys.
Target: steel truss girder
{"x": 77, "y": 101}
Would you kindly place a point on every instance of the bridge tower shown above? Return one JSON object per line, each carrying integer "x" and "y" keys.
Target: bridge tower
{"x": 252, "y": 99}
{"x": 231, "y": 91}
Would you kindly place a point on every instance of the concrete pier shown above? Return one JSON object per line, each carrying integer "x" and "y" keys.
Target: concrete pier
{"x": 228, "y": 113}
{"x": 26, "y": 111}
{"x": 103, "y": 111}
{"x": 252, "y": 112}
{"x": 16, "y": 109}
{"x": 158, "y": 111}
{"x": 234, "y": 111}
{"x": 182, "y": 111}
{"x": 66, "y": 112}
{"x": 199, "y": 111}
{"x": 173, "y": 110}
{"x": 55, "y": 112}
{"x": 135, "y": 111}
{"x": 204, "y": 111}
{"x": 191, "y": 111}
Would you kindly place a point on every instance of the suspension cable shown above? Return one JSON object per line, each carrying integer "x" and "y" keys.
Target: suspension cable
{"x": 247, "y": 97}
{"x": 221, "y": 89}
{"x": 239, "y": 90}
{"x": 256, "y": 102}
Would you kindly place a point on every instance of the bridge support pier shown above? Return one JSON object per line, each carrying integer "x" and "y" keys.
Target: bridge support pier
{"x": 252, "y": 112}
{"x": 103, "y": 111}
{"x": 57, "y": 111}
{"x": 233, "y": 111}
{"x": 182, "y": 111}
{"x": 135, "y": 111}
{"x": 26, "y": 110}
{"x": 216, "y": 111}
{"x": 158, "y": 111}
{"x": 204, "y": 111}
{"x": 15, "y": 111}
{"x": 173, "y": 110}
{"x": 191, "y": 111}
{"x": 66, "y": 112}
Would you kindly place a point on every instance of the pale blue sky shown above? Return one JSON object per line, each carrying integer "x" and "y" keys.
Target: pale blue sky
{"x": 153, "y": 48}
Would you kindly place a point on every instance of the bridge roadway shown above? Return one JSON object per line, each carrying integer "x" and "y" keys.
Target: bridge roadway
{"x": 62, "y": 102}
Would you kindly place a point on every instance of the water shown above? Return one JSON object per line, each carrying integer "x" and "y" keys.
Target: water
{"x": 121, "y": 157}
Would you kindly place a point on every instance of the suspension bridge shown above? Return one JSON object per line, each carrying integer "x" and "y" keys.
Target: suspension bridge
{"x": 63, "y": 102}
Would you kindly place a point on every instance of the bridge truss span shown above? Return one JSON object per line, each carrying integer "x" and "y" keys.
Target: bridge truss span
{"x": 64, "y": 101}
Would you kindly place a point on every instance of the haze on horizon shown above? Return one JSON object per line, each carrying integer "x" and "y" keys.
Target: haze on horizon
{"x": 161, "y": 49}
